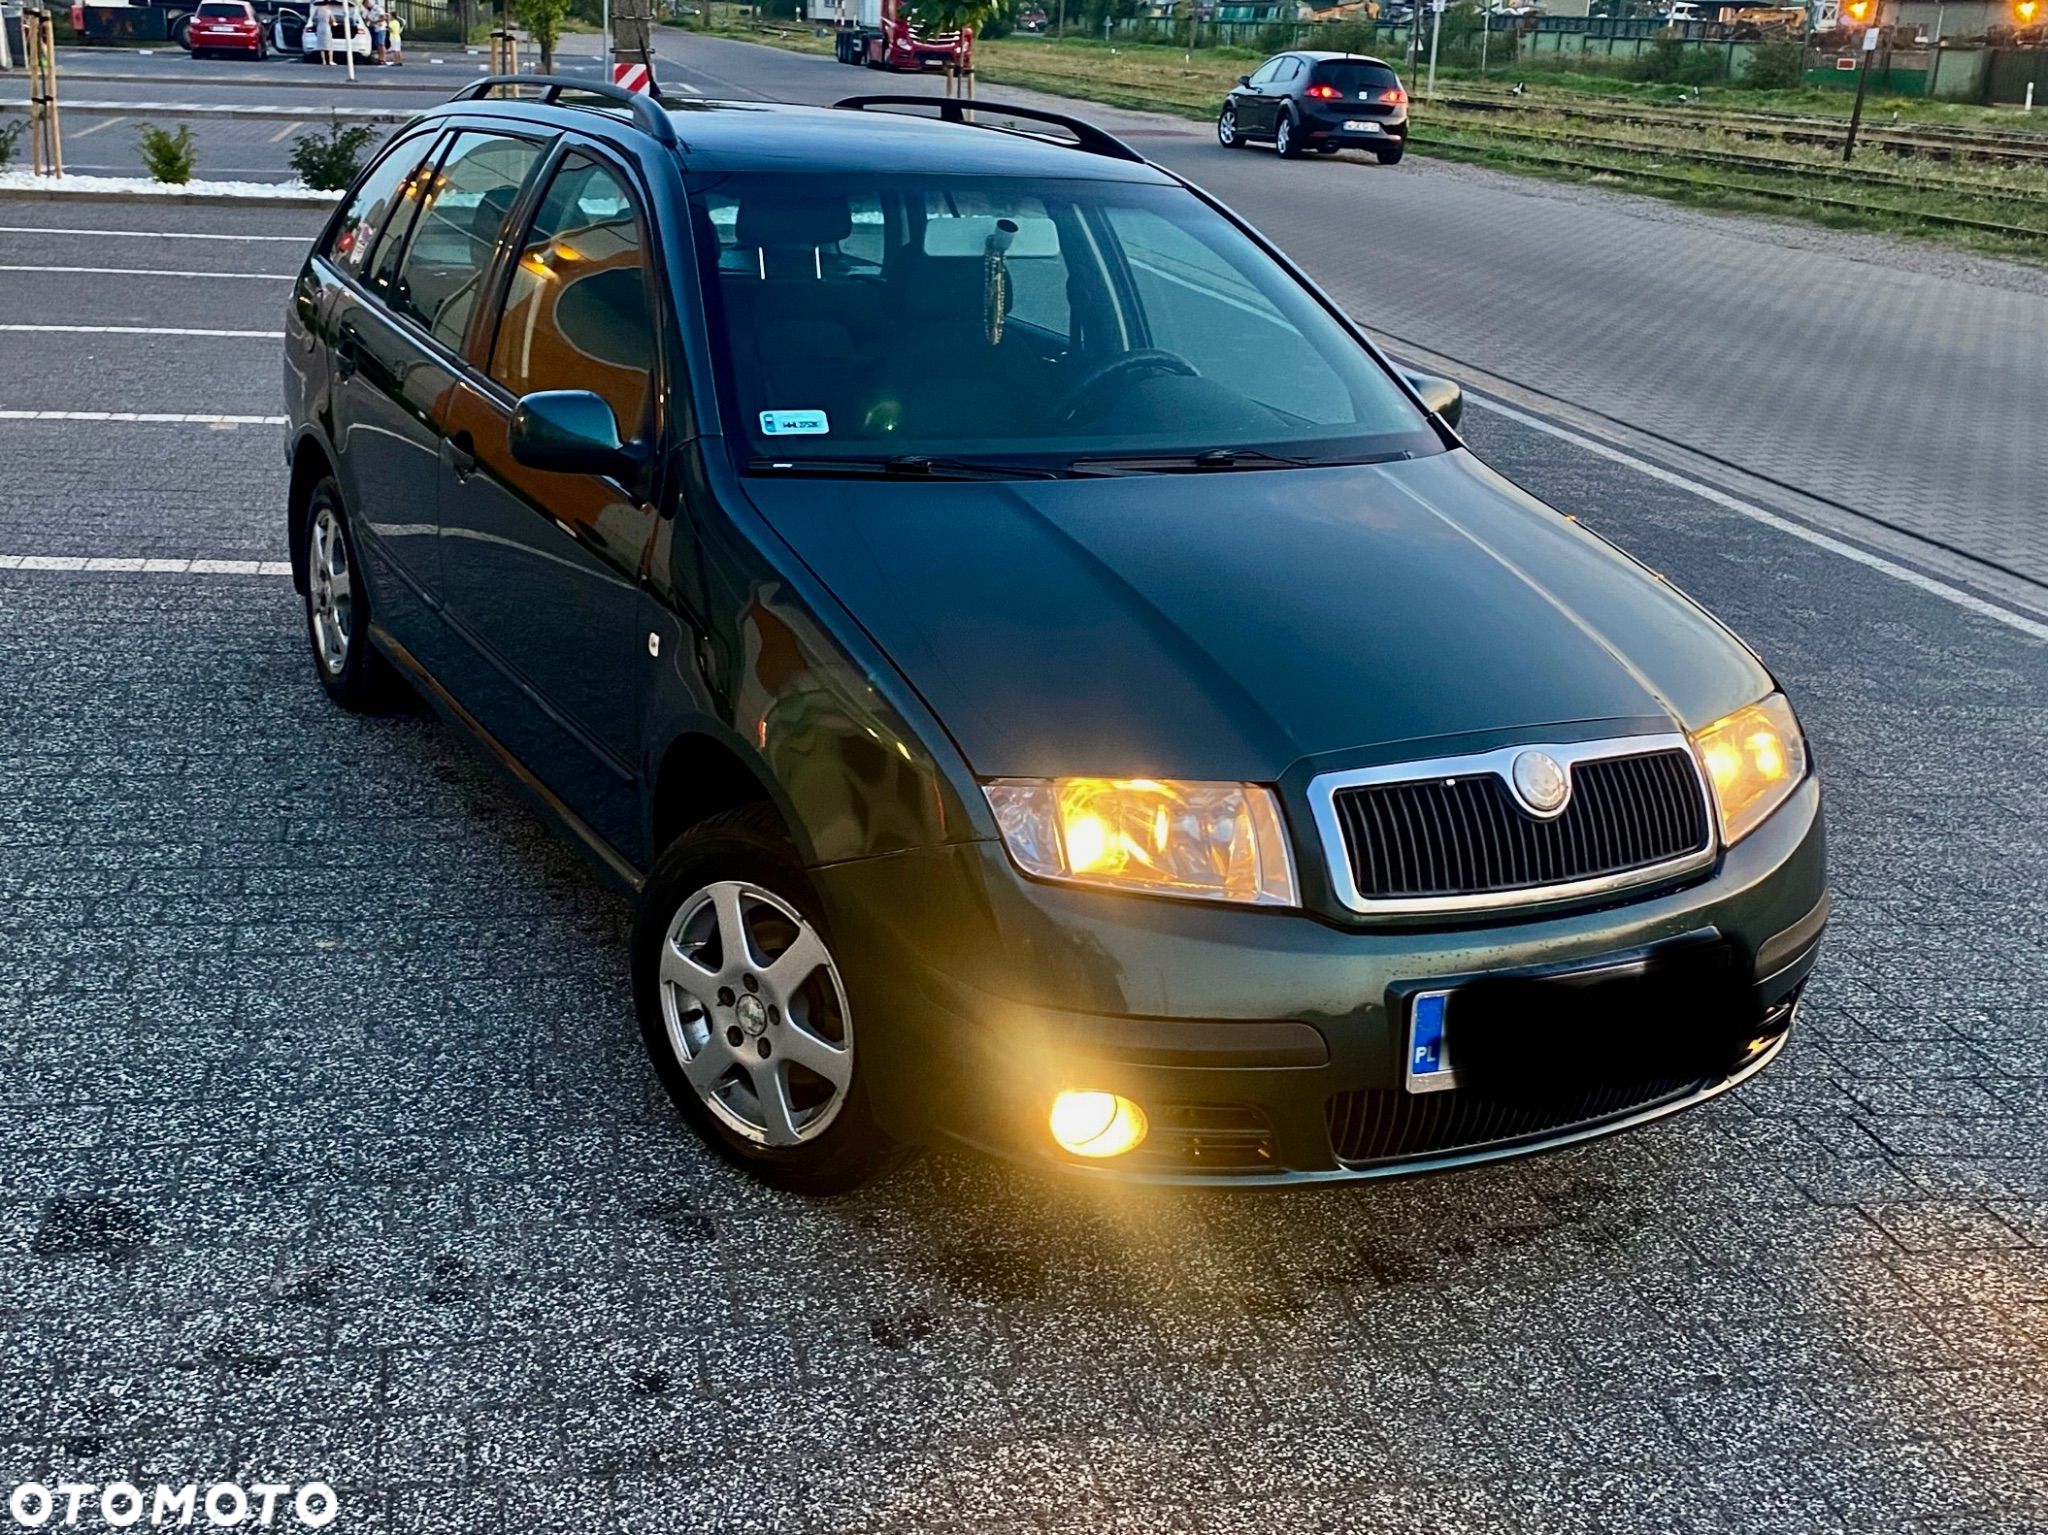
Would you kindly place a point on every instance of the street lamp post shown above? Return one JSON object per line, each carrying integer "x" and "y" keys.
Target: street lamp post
{"x": 1436, "y": 26}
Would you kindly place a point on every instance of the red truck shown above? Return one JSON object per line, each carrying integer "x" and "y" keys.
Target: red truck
{"x": 878, "y": 34}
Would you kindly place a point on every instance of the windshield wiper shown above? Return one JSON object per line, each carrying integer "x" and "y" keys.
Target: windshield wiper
{"x": 1215, "y": 460}
{"x": 907, "y": 466}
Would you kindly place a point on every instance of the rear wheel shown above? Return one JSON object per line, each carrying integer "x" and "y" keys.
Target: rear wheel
{"x": 743, "y": 1010}
{"x": 1392, "y": 154}
{"x": 338, "y": 608}
{"x": 1287, "y": 139}
{"x": 1227, "y": 133}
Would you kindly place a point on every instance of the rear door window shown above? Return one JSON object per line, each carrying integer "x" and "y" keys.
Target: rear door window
{"x": 460, "y": 222}
{"x": 379, "y": 202}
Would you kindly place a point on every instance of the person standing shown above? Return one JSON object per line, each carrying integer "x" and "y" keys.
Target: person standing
{"x": 379, "y": 35}
{"x": 394, "y": 38}
{"x": 323, "y": 33}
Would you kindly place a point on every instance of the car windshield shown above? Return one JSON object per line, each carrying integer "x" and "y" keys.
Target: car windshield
{"x": 1358, "y": 80}
{"x": 1034, "y": 322}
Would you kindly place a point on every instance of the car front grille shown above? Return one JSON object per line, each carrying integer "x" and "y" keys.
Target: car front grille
{"x": 1466, "y": 835}
{"x": 1389, "y": 1125}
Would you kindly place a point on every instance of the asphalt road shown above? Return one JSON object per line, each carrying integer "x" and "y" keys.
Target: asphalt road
{"x": 327, "y": 1148}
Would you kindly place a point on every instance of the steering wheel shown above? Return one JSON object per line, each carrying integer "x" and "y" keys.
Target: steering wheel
{"x": 1149, "y": 359}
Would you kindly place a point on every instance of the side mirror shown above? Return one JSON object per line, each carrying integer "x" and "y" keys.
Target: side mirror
{"x": 572, "y": 431}
{"x": 1440, "y": 395}
{"x": 1244, "y": 79}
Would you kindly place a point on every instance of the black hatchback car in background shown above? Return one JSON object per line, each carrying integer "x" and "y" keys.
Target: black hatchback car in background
{"x": 1320, "y": 101}
{"x": 1051, "y": 684}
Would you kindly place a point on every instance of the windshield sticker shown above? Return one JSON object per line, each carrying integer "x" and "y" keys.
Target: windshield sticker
{"x": 793, "y": 423}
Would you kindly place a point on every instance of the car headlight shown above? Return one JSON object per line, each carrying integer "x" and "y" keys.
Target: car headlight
{"x": 1206, "y": 841}
{"x": 1754, "y": 759}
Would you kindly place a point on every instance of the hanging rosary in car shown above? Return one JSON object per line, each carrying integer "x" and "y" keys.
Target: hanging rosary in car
{"x": 995, "y": 269}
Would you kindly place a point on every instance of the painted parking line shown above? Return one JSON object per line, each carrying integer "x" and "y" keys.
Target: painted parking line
{"x": 142, "y": 330}
{"x": 148, "y": 234}
{"x": 144, "y": 271}
{"x": 288, "y": 128}
{"x": 129, "y": 564}
{"x": 86, "y": 133}
{"x": 1968, "y": 601}
{"x": 143, "y": 417}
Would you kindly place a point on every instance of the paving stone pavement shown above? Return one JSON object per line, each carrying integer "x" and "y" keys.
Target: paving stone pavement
{"x": 327, "y": 1149}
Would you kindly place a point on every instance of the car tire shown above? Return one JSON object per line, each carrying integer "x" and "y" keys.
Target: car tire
{"x": 716, "y": 1033}
{"x": 1391, "y": 156}
{"x": 1227, "y": 133}
{"x": 338, "y": 608}
{"x": 1286, "y": 139}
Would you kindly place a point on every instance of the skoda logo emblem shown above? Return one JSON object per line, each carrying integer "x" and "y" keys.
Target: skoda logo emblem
{"x": 1540, "y": 783}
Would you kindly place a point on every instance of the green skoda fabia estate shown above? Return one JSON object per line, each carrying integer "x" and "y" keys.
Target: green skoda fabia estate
{"x": 1050, "y": 684}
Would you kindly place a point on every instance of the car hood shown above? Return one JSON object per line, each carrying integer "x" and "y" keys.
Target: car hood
{"x": 1230, "y": 624}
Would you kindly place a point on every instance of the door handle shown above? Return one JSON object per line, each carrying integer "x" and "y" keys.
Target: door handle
{"x": 347, "y": 347}
{"x": 461, "y": 450}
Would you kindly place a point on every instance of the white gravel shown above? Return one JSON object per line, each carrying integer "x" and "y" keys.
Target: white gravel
{"x": 255, "y": 191}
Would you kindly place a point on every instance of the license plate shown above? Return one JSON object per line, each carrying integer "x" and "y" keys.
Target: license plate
{"x": 1359, "y": 127}
{"x": 1429, "y": 1051}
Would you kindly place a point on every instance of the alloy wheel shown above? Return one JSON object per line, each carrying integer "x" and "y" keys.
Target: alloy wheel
{"x": 1283, "y": 138}
{"x": 1226, "y": 128}
{"x": 756, "y": 1014}
{"x": 330, "y": 590}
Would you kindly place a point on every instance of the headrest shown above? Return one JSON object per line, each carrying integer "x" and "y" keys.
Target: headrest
{"x": 781, "y": 225}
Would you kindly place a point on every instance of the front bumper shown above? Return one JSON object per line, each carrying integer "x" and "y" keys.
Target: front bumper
{"x": 1265, "y": 1047}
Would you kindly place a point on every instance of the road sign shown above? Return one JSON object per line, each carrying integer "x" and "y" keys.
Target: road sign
{"x": 634, "y": 77}
{"x": 1870, "y": 37}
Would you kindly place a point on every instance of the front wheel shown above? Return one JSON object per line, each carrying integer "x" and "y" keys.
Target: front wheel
{"x": 1286, "y": 140}
{"x": 1392, "y": 154}
{"x": 744, "y": 1013}
{"x": 1227, "y": 133}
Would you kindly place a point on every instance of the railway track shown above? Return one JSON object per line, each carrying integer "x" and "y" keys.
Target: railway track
{"x": 2008, "y": 149}
{"x": 1425, "y": 141}
{"x": 1769, "y": 164}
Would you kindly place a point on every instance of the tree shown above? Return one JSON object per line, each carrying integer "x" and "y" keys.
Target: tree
{"x": 543, "y": 22}
{"x": 956, "y": 16}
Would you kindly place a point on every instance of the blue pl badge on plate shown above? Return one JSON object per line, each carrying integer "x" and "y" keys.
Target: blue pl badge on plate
{"x": 793, "y": 423}
{"x": 1429, "y": 1050}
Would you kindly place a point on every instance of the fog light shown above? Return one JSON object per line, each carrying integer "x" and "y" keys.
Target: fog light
{"x": 1091, "y": 1124}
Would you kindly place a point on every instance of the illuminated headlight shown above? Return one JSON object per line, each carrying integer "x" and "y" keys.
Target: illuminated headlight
{"x": 1754, "y": 759}
{"x": 1206, "y": 841}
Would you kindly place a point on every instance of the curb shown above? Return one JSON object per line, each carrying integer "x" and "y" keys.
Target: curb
{"x": 199, "y": 111}
{"x": 292, "y": 202}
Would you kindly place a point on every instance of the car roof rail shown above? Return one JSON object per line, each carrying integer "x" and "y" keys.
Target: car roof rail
{"x": 648, "y": 111}
{"x": 952, "y": 109}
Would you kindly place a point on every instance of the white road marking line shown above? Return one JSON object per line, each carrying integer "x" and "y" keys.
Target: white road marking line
{"x": 86, "y": 133}
{"x": 144, "y": 330}
{"x": 146, "y": 234}
{"x": 150, "y": 567}
{"x": 287, "y": 128}
{"x": 145, "y": 417}
{"x": 1968, "y": 601}
{"x": 143, "y": 271}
